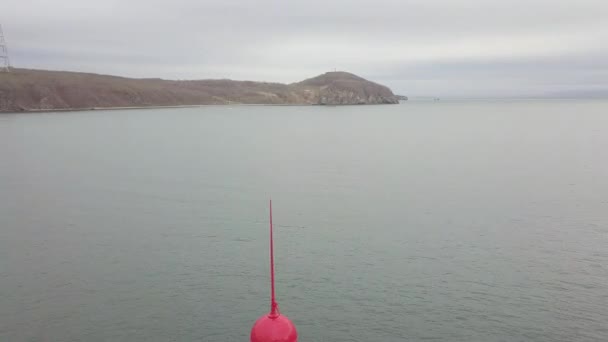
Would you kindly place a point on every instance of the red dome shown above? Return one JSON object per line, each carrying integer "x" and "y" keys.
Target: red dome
{"x": 271, "y": 328}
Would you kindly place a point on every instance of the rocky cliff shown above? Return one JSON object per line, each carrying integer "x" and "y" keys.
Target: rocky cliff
{"x": 32, "y": 90}
{"x": 342, "y": 88}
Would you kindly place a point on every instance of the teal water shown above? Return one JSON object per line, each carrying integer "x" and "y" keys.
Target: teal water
{"x": 443, "y": 221}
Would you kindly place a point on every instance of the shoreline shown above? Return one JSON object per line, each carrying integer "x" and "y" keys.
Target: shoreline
{"x": 67, "y": 110}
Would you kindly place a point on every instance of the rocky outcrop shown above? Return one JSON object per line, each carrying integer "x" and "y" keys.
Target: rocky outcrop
{"x": 32, "y": 90}
{"x": 342, "y": 88}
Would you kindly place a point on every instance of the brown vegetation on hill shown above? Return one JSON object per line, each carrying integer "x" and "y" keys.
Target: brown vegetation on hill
{"x": 31, "y": 90}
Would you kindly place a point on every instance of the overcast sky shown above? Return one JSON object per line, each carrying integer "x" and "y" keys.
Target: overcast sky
{"x": 443, "y": 48}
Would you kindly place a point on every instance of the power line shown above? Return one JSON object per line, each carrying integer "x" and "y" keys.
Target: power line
{"x": 5, "y": 62}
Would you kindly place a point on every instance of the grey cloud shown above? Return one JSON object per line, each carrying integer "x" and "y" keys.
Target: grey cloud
{"x": 432, "y": 47}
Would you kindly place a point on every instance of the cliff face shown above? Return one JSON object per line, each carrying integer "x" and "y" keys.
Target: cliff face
{"x": 30, "y": 90}
{"x": 342, "y": 88}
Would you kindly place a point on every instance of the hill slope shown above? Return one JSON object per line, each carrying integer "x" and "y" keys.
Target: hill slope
{"x": 31, "y": 90}
{"x": 338, "y": 88}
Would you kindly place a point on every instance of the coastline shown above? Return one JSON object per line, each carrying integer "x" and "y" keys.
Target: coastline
{"x": 65, "y": 110}
{"x": 28, "y": 90}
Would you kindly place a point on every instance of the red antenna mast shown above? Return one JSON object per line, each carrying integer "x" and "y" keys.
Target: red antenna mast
{"x": 274, "y": 307}
{"x": 273, "y": 327}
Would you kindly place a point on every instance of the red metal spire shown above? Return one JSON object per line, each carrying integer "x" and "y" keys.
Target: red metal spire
{"x": 274, "y": 307}
{"x": 273, "y": 327}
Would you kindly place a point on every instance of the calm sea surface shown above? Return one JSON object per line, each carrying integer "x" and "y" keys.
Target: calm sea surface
{"x": 442, "y": 221}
